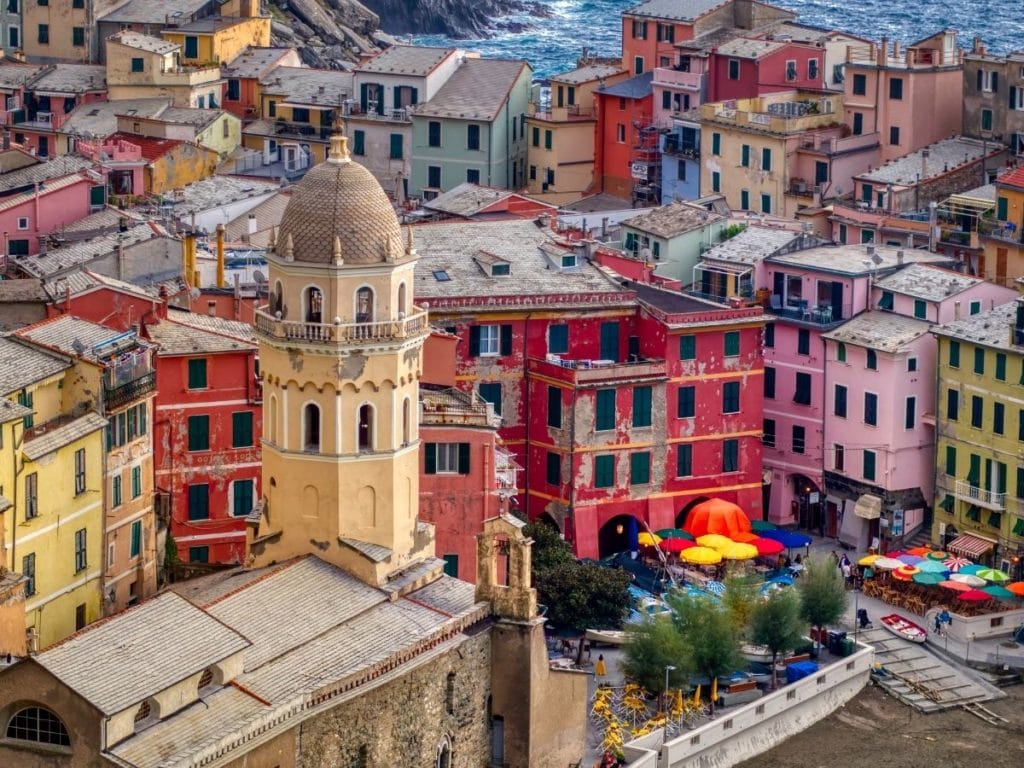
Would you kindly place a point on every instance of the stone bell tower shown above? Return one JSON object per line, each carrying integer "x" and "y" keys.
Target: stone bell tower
{"x": 340, "y": 356}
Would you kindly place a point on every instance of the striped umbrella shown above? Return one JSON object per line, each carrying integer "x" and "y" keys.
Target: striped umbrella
{"x": 993, "y": 574}
{"x": 955, "y": 563}
{"x": 905, "y": 572}
{"x": 940, "y": 556}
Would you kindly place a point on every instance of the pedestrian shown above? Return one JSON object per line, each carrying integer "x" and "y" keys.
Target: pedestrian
{"x": 600, "y": 669}
{"x": 938, "y": 623}
{"x": 946, "y": 618}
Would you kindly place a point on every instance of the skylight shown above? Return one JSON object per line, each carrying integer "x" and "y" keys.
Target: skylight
{"x": 441, "y": 276}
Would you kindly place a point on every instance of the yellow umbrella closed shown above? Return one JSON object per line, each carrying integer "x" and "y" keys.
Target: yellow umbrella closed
{"x": 740, "y": 551}
{"x": 696, "y": 696}
{"x": 715, "y": 541}
{"x": 648, "y": 539}
{"x": 700, "y": 556}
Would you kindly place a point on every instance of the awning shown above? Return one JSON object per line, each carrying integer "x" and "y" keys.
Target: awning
{"x": 947, "y": 503}
{"x": 970, "y": 545}
{"x": 868, "y": 506}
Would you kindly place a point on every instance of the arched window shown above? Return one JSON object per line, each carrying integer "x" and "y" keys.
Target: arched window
{"x": 278, "y": 298}
{"x": 143, "y": 712}
{"x": 314, "y": 305}
{"x": 444, "y": 754}
{"x": 364, "y": 305}
{"x": 311, "y": 427}
{"x": 206, "y": 678}
{"x": 402, "y": 309}
{"x": 39, "y": 725}
{"x": 366, "y": 427}
{"x": 272, "y": 419}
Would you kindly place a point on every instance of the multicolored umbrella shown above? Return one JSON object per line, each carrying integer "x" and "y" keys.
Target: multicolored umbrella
{"x": 715, "y": 587}
{"x": 928, "y": 579}
{"x": 675, "y": 545}
{"x": 932, "y": 566}
{"x": 936, "y": 555}
{"x": 905, "y": 572}
{"x": 993, "y": 574}
{"x": 715, "y": 541}
{"x": 767, "y": 546}
{"x": 762, "y": 525}
{"x": 955, "y": 563}
{"x": 739, "y": 551}
{"x": 868, "y": 560}
{"x": 973, "y": 596}
{"x": 910, "y": 559}
{"x": 956, "y": 586}
{"x": 887, "y": 564}
{"x": 969, "y": 579}
{"x": 700, "y": 556}
{"x": 998, "y": 592}
{"x": 1016, "y": 588}
{"x": 674, "y": 533}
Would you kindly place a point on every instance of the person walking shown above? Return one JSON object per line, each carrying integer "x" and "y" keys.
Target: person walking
{"x": 600, "y": 669}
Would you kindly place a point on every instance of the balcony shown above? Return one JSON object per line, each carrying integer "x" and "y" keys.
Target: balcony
{"x": 117, "y": 394}
{"x": 341, "y": 333}
{"x": 801, "y": 311}
{"x": 585, "y": 373}
{"x": 674, "y": 145}
{"x": 390, "y": 115}
{"x": 505, "y": 473}
{"x": 284, "y": 128}
{"x": 675, "y": 78}
{"x": 1006, "y": 231}
{"x": 980, "y": 497}
{"x": 571, "y": 113}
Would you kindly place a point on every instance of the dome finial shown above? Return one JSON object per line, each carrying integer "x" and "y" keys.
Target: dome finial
{"x": 339, "y": 142}
{"x": 289, "y": 248}
{"x": 338, "y": 260}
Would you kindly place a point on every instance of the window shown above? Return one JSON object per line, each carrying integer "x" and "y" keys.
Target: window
{"x": 31, "y": 495}
{"x": 869, "y": 465}
{"x": 639, "y": 468}
{"x": 766, "y": 160}
{"x": 44, "y": 34}
{"x": 769, "y": 382}
{"x": 39, "y": 725}
{"x": 950, "y": 460}
{"x": 768, "y": 433}
{"x": 840, "y": 352}
{"x": 987, "y": 80}
{"x": 745, "y": 199}
{"x": 191, "y": 46}
{"x": 730, "y": 455}
{"x": 954, "y": 354}
{"x": 812, "y": 69}
{"x": 79, "y": 471}
{"x": 558, "y": 339}
{"x": 28, "y": 570}
{"x": 642, "y": 406}
{"x": 199, "y": 554}
{"x": 271, "y": 108}
{"x": 745, "y": 156}
{"x": 840, "y": 403}
{"x": 871, "y": 409}
{"x": 78, "y": 36}
{"x": 80, "y": 556}
{"x": 554, "y": 407}
{"x": 896, "y": 88}
{"x": 860, "y": 85}
{"x": 241, "y": 429}
{"x": 199, "y": 501}
{"x": 732, "y": 343}
{"x": 769, "y": 335}
{"x": 979, "y": 360}
{"x": 791, "y": 70}
{"x": 547, "y": 139}
{"x": 396, "y": 151}
{"x": 766, "y": 203}
{"x": 977, "y": 411}
{"x": 472, "y": 137}
{"x": 136, "y": 482}
{"x": 731, "y": 397}
{"x": 234, "y": 91}
{"x": 894, "y": 135}
{"x": 803, "y": 342}
{"x": 684, "y": 460}
{"x": 911, "y": 364}
{"x": 115, "y": 491}
{"x": 434, "y": 134}
{"x": 199, "y": 433}
{"x": 910, "y": 416}
{"x": 686, "y": 403}
{"x": 197, "y": 373}
{"x": 604, "y": 471}
{"x": 639, "y": 30}
{"x": 434, "y": 176}
{"x": 802, "y": 396}
{"x": 716, "y": 143}
{"x": 604, "y": 417}
{"x": 136, "y": 539}
{"x": 838, "y": 457}
{"x": 998, "y": 418}
{"x": 716, "y": 181}
{"x": 1000, "y": 366}
{"x": 243, "y": 497}
{"x": 638, "y": 65}
{"x": 858, "y": 123}
{"x": 687, "y": 347}
{"x": 953, "y": 405}
{"x": 491, "y": 392}
{"x": 734, "y": 69}
{"x": 799, "y": 439}
{"x": 986, "y": 119}
{"x": 554, "y": 469}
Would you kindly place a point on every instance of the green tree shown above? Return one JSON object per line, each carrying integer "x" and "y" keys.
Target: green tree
{"x": 549, "y": 548}
{"x": 651, "y": 647}
{"x": 822, "y": 593}
{"x": 707, "y": 629}
{"x": 776, "y": 624}
{"x": 580, "y": 596}
{"x": 740, "y": 598}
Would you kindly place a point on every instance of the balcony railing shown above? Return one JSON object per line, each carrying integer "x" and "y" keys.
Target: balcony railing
{"x": 592, "y": 371}
{"x": 117, "y": 395}
{"x": 980, "y": 496}
{"x": 823, "y": 315}
{"x": 1001, "y": 230}
{"x": 676, "y": 146}
{"x": 341, "y": 333}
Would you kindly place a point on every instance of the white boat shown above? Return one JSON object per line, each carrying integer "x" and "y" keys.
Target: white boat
{"x": 606, "y": 636}
{"x": 758, "y": 653}
{"x": 905, "y": 628}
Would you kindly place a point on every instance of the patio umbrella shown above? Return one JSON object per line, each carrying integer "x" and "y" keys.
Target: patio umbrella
{"x": 905, "y": 572}
{"x": 932, "y": 566}
{"x": 700, "y": 556}
{"x": 715, "y": 587}
{"x": 717, "y": 516}
{"x": 998, "y": 592}
{"x": 739, "y": 551}
{"x": 767, "y": 546}
{"x": 1016, "y": 588}
{"x": 972, "y": 568}
{"x": 928, "y": 579}
{"x": 675, "y": 545}
{"x": 910, "y": 559}
{"x": 868, "y": 560}
{"x": 715, "y": 541}
{"x": 789, "y": 539}
{"x": 762, "y": 525}
{"x": 993, "y": 574}
{"x": 745, "y": 537}
{"x": 973, "y": 596}
{"x": 936, "y": 555}
{"x": 956, "y": 586}
{"x": 895, "y": 553}
{"x": 968, "y": 579}
{"x": 955, "y": 563}
{"x": 919, "y": 551}
{"x": 674, "y": 533}
{"x": 887, "y": 564}
{"x": 646, "y": 539}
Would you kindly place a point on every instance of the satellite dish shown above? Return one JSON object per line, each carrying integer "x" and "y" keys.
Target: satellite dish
{"x": 78, "y": 346}
{"x": 259, "y": 277}
{"x": 195, "y": 293}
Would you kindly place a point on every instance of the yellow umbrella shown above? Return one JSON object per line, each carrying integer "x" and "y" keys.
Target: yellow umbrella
{"x": 648, "y": 539}
{"x": 714, "y": 689}
{"x": 715, "y": 541}
{"x": 696, "y": 696}
{"x": 740, "y": 551}
{"x": 867, "y": 560}
{"x": 700, "y": 556}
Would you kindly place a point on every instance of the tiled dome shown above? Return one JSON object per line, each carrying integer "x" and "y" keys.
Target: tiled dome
{"x": 339, "y": 199}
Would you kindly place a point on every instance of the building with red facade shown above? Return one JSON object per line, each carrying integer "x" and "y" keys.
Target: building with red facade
{"x": 744, "y": 68}
{"x": 207, "y": 432}
{"x": 627, "y": 160}
{"x": 617, "y": 421}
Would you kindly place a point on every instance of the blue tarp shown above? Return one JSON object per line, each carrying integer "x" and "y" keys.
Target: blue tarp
{"x": 798, "y": 670}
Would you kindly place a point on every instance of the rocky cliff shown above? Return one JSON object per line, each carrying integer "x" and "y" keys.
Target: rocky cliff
{"x": 454, "y": 18}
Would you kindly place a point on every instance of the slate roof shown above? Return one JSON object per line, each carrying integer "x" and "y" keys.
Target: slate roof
{"x": 943, "y": 156}
{"x": 152, "y": 11}
{"x": 184, "y": 338}
{"x": 746, "y": 48}
{"x": 268, "y": 216}
{"x": 99, "y": 119}
{"x": 14, "y": 75}
{"x": 853, "y": 259}
{"x": 27, "y": 289}
{"x": 301, "y": 85}
{"x": 673, "y": 219}
{"x": 635, "y": 88}
{"x": 56, "y": 438}
{"x": 670, "y": 301}
{"x": 117, "y": 663}
{"x": 152, "y": 148}
{"x": 16, "y": 159}
{"x": 992, "y": 328}
{"x": 79, "y": 281}
{"x": 752, "y": 245}
{"x": 21, "y": 365}
{"x": 71, "y": 79}
{"x": 11, "y": 411}
{"x": 927, "y": 282}
{"x": 884, "y": 331}
{"x": 678, "y": 10}
{"x": 450, "y": 247}
{"x": 587, "y": 74}
{"x": 53, "y": 185}
{"x": 84, "y": 251}
{"x": 216, "y": 191}
{"x": 51, "y": 169}
{"x": 477, "y": 90}
{"x": 143, "y": 42}
{"x": 466, "y": 199}
{"x": 62, "y": 334}
{"x": 406, "y": 60}
{"x": 253, "y": 62}
{"x": 201, "y": 321}
{"x": 198, "y": 118}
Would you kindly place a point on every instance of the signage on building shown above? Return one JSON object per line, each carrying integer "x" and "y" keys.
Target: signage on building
{"x": 638, "y": 171}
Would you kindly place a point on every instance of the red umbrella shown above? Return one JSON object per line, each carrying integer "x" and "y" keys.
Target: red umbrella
{"x": 956, "y": 586}
{"x": 768, "y": 546}
{"x": 955, "y": 563}
{"x": 974, "y": 596}
{"x": 717, "y": 516}
{"x": 675, "y": 545}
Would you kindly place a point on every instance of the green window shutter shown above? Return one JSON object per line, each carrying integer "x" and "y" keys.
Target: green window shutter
{"x": 687, "y": 347}
{"x": 136, "y": 482}
{"x": 951, "y": 460}
{"x": 979, "y": 360}
{"x": 197, "y": 373}
{"x": 451, "y": 566}
{"x": 474, "y": 341}
{"x": 111, "y": 426}
{"x": 115, "y": 491}
{"x": 686, "y": 403}
{"x": 766, "y": 159}
{"x": 730, "y": 455}
{"x": 604, "y": 471}
{"x": 430, "y": 458}
{"x": 920, "y": 309}
{"x": 358, "y": 142}
{"x": 555, "y": 407}
{"x": 242, "y": 504}
{"x": 396, "y": 146}
{"x": 241, "y": 429}
{"x": 554, "y": 469}
{"x": 642, "y": 406}
{"x": 732, "y": 343}
{"x": 1002, "y": 208}
{"x": 1018, "y": 527}
{"x": 198, "y": 433}
{"x": 869, "y": 465}
{"x": 605, "y": 410}
{"x": 716, "y": 181}
{"x": 143, "y": 416}
{"x": 716, "y": 143}
{"x": 491, "y": 392}
{"x": 639, "y": 468}
{"x": 122, "y": 429}
{"x": 463, "y": 458}
{"x": 1000, "y": 366}
{"x": 199, "y": 501}
{"x": 954, "y": 354}
{"x": 136, "y": 543}
{"x": 974, "y": 471}
{"x": 97, "y": 196}
{"x": 506, "y": 340}
{"x": 684, "y": 460}
{"x": 745, "y": 155}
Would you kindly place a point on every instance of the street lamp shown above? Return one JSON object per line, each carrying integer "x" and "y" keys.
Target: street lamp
{"x": 665, "y": 694}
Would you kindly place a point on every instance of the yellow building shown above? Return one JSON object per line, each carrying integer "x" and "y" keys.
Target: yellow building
{"x": 115, "y": 371}
{"x": 51, "y": 470}
{"x": 340, "y": 355}
{"x": 142, "y": 67}
{"x": 1003, "y": 237}
{"x": 561, "y": 133}
{"x": 218, "y": 39}
{"x": 979, "y": 505}
{"x": 215, "y": 129}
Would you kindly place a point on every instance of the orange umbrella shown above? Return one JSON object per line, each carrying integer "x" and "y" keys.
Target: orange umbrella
{"x": 906, "y": 572}
{"x": 746, "y": 538}
{"x": 717, "y": 516}
{"x": 1017, "y": 588}
{"x": 919, "y": 551}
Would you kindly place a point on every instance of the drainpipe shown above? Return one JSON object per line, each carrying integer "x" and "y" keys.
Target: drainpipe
{"x": 526, "y": 416}
{"x": 823, "y": 505}
{"x": 220, "y": 255}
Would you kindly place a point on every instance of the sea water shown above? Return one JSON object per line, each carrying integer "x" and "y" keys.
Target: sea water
{"x": 552, "y": 45}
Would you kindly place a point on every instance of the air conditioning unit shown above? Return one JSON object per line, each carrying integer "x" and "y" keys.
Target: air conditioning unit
{"x": 44, "y": 117}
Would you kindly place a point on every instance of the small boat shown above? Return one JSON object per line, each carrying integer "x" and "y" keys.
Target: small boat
{"x": 756, "y": 653}
{"x": 606, "y": 636}
{"x": 905, "y": 628}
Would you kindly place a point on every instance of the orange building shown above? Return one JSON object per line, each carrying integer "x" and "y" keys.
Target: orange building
{"x": 1003, "y": 238}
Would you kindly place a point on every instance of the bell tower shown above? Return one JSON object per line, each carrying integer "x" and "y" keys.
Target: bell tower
{"x": 340, "y": 356}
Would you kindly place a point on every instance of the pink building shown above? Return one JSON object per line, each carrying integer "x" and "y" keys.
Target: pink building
{"x": 879, "y": 428}
{"x": 744, "y": 68}
{"x": 122, "y": 159}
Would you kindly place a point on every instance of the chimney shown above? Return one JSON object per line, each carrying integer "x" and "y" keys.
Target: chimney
{"x": 883, "y": 52}
{"x": 161, "y": 310}
{"x": 211, "y": 308}
{"x": 896, "y": 49}
{"x": 252, "y": 224}
{"x": 120, "y": 260}
{"x": 978, "y": 47}
{"x": 956, "y": 310}
{"x": 220, "y": 255}
{"x": 899, "y": 256}
{"x": 924, "y": 163}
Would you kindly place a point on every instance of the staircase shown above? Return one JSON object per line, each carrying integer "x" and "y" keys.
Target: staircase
{"x": 922, "y": 538}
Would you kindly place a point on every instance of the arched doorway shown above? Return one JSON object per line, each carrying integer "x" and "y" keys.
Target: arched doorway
{"x": 807, "y": 505}
{"x": 685, "y": 511}
{"x": 311, "y": 428}
{"x": 365, "y": 435}
{"x": 618, "y": 535}
{"x": 364, "y": 305}
{"x": 314, "y": 305}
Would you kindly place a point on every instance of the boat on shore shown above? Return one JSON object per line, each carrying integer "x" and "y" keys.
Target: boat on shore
{"x": 606, "y": 636}
{"x": 759, "y": 654}
{"x": 905, "y": 628}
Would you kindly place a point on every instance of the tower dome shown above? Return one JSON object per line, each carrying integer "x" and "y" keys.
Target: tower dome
{"x": 339, "y": 202}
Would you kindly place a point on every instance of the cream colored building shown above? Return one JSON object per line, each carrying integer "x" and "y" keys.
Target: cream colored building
{"x": 141, "y": 67}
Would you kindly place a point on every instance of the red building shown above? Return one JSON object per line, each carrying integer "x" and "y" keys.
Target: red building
{"x": 586, "y": 374}
{"x": 627, "y": 160}
{"x": 744, "y": 68}
{"x": 243, "y": 74}
{"x": 207, "y": 430}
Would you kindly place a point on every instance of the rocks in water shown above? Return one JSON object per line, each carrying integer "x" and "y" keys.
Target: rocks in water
{"x": 454, "y": 18}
